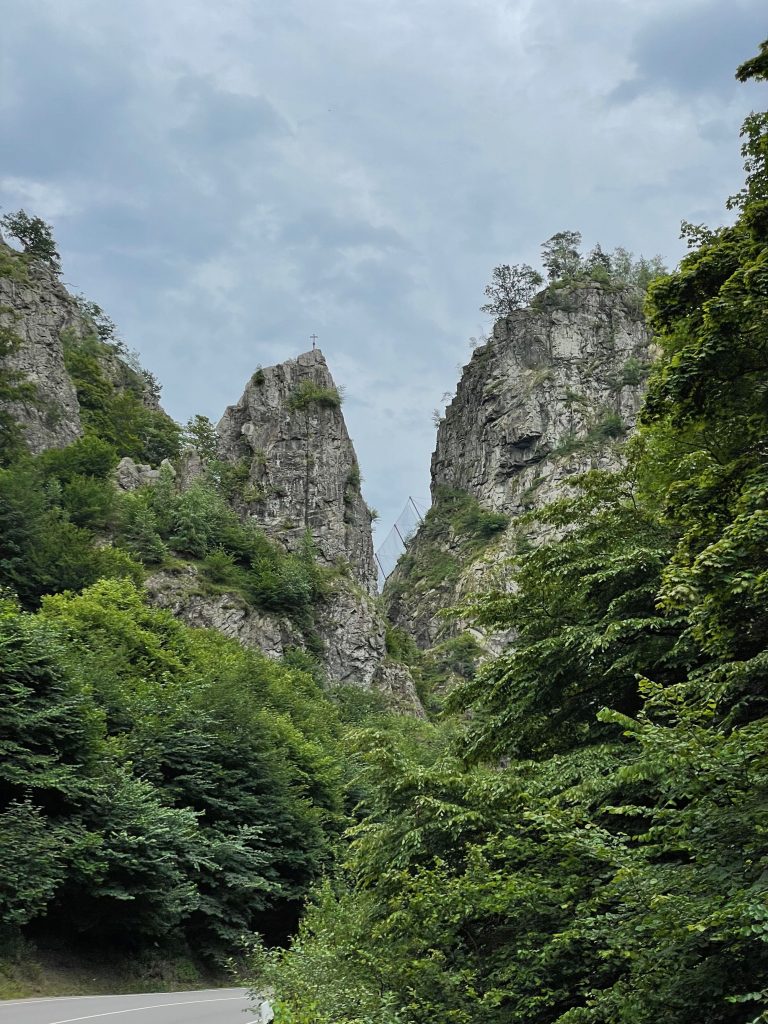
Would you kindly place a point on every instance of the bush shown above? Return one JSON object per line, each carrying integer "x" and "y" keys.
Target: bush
{"x": 117, "y": 415}
{"x": 400, "y": 645}
{"x": 219, "y": 567}
{"x": 634, "y": 372}
{"x": 308, "y": 393}
{"x": 89, "y": 456}
{"x": 609, "y": 426}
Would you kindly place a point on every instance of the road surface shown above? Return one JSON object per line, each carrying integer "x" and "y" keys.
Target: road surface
{"x": 215, "y": 1006}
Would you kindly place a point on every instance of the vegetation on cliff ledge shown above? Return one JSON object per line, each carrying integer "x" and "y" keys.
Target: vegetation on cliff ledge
{"x": 455, "y": 528}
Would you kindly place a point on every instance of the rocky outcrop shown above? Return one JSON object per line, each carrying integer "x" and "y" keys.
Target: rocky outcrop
{"x": 296, "y": 470}
{"x": 350, "y": 626}
{"x": 46, "y": 322}
{"x": 36, "y": 307}
{"x": 183, "y": 594}
{"x": 554, "y": 382}
{"x": 395, "y": 682}
{"x": 302, "y": 471}
{"x": 292, "y": 469}
{"x": 553, "y": 393}
{"x": 130, "y": 475}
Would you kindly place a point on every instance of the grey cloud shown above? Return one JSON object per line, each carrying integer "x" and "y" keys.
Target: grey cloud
{"x": 324, "y": 228}
{"x": 220, "y": 118}
{"x": 64, "y": 104}
{"x": 695, "y": 50}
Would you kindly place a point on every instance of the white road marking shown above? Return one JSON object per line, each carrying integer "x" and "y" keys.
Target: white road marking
{"x": 33, "y": 1000}
{"x": 154, "y": 1006}
{"x": 30, "y": 1002}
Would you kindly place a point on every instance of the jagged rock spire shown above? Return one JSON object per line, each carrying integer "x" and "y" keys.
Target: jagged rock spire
{"x": 303, "y": 473}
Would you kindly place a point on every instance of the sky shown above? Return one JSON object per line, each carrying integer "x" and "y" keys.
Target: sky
{"x": 227, "y": 177}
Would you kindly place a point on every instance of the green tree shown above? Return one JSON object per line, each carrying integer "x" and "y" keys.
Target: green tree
{"x": 118, "y": 413}
{"x": 244, "y": 748}
{"x": 561, "y": 256}
{"x": 201, "y": 434}
{"x": 584, "y": 611}
{"x": 35, "y": 236}
{"x": 709, "y": 389}
{"x": 41, "y": 550}
{"x": 511, "y": 288}
{"x": 32, "y": 864}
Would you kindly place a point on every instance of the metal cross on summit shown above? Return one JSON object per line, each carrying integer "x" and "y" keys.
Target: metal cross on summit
{"x": 314, "y": 340}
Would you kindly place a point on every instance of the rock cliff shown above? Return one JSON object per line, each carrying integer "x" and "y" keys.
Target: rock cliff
{"x": 292, "y": 470}
{"x": 302, "y": 470}
{"x": 39, "y": 311}
{"x": 287, "y": 444}
{"x": 51, "y": 331}
{"x": 554, "y": 392}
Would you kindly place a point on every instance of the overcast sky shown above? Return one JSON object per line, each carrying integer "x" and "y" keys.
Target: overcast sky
{"x": 226, "y": 177}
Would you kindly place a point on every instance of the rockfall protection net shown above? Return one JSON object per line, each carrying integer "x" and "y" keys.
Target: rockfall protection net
{"x": 396, "y": 541}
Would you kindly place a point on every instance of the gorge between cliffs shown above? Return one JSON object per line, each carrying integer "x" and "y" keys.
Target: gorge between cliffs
{"x": 525, "y": 783}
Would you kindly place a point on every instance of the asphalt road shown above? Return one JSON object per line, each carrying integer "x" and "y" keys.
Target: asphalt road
{"x": 215, "y": 1006}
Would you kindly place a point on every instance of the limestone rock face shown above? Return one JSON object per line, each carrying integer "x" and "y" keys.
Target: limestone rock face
{"x": 38, "y": 309}
{"x": 569, "y": 371}
{"x": 551, "y": 394}
{"x": 298, "y": 471}
{"x": 45, "y": 318}
{"x": 302, "y": 468}
{"x": 181, "y": 594}
{"x": 395, "y": 682}
{"x": 296, "y": 467}
{"x": 353, "y": 632}
{"x": 129, "y": 475}
{"x": 350, "y": 626}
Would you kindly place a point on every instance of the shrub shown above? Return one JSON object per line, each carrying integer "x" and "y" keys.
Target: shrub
{"x": 13, "y": 265}
{"x": 308, "y": 393}
{"x": 219, "y": 567}
{"x": 400, "y": 645}
{"x": 89, "y": 456}
{"x": 633, "y": 372}
{"x": 609, "y": 426}
{"x": 114, "y": 414}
